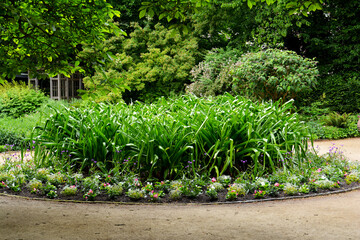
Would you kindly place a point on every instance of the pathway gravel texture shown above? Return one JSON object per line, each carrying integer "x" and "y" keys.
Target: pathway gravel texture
{"x": 327, "y": 217}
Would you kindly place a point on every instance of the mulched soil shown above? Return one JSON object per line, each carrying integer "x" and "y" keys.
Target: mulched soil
{"x": 202, "y": 198}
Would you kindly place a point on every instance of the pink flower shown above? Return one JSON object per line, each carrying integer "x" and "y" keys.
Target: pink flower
{"x": 213, "y": 179}
{"x": 156, "y": 195}
{"x": 277, "y": 184}
{"x": 152, "y": 191}
{"x": 319, "y": 170}
{"x": 162, "y": 182}
{"x": 136, "y": 180}
{"x": 90, "y": 191}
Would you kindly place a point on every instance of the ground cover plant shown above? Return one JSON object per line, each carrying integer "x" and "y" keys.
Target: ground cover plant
{"x": 319, "y": 174}
{"x": 325, "y": 124}
{"x": 169, "y": 139}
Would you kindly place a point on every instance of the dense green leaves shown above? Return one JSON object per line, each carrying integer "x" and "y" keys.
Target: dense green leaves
{"x": 48, "y": 34}
{"x": 220, "y": 135}
{"x": 152, "y": 62}
{"x": 17, "y": 99}
{"x": 275, "y": 74}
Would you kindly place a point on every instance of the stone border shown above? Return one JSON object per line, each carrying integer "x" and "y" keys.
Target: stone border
{"x": 172, "y": 203}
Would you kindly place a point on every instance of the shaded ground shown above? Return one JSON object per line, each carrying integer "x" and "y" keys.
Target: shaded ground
{"x": 329, "y": 217}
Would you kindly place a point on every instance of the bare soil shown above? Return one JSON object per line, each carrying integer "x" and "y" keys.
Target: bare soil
{"x": 328, "y": 217}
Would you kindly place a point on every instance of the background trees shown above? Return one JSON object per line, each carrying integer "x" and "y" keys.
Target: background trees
{"x": 48, "y": 34}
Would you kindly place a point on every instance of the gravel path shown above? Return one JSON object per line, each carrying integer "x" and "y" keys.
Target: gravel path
{"x": 329, "y": 217}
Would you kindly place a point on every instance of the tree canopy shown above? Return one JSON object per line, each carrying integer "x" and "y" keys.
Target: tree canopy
{"x": 47, "y": 34}
{"x": 174, "y": 9}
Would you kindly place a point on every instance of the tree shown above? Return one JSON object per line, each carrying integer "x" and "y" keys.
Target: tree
{"x": 181, "y": 10}
{"x": 151, "y": 62}
{"x": 48, "y": 34}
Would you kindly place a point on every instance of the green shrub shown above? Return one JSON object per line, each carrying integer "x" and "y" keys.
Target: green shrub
{"x": 337, "y": 120}
{"x": 212, "y": 76}
{"x": 275, "y": 74}
{"x": 17, "y": 99}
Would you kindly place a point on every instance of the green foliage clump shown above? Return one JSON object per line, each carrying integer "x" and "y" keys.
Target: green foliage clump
{"x": 222, "y": 135}
{"x": 17, "y": 99}
{"x": 290, "y": 189}
{"x": 337, "y": 120}
{"x": 114, "y": 190}
{"x": 324, "y": 184}
{"x": 15, "y": 131}
{"x": 238, "y": 188}
{"x": 212, "y": 76}
{"x": 352, "y": 177}
{"x": 69, "y": 190}
{"x": 34, "y": 184}
{"x": 8, "y": 137}
{"x": 152, "y": 62}
{"x": 319, "y": 131}
{"x": 135, "y": 194}
{"x": 275, "y": 74}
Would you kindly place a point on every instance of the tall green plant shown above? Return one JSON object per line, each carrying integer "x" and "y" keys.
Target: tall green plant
{"x": 175, "y": 137}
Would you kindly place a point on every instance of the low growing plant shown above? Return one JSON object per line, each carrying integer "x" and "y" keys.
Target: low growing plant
{"x": 135, "y": 194}
{"x": 34, "y": 184}
{"x": 290, "y": 189}
{"x": 90, "y": 195}
{"x": 69, "y": 190}
{"x": 231, "y": 195}
{"x": 304, "y": 188}
{"x": 259, "y": 194}
{"x": 114, "y": 190}
{"x": 212, "y": 193}
{"x": 175, "y": 194}
{"x": 352, "y": 177}
{"x": 51, "y": 194}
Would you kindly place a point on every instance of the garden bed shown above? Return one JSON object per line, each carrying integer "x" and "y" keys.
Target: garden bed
{"x": 322, "y": 175}
{"x": 201, "y": 199}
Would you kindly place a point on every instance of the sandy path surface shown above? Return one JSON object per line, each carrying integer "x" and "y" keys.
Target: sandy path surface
{"x": 329, "y": 217}
{"x": 350, "y": 147}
